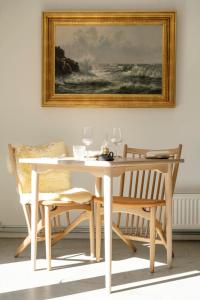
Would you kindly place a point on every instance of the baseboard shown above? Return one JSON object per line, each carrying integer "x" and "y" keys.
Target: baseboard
{"x": 186, "y": 234}
{"x": 83, "y": 233}
{"x": 21, "y": 232}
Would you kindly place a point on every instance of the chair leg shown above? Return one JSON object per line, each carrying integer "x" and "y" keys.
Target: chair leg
{"x": 48, "y": 236}
{"x": 26, "y": 242}
{"x": 98, "y": 232}
{"x": 91, "y": 224}
{"x": 152, "y": 237}
{"x": 120, "y": 234}
{"x": 23, "y": 246}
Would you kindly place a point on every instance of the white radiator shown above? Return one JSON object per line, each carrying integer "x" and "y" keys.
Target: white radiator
{"x": 186, "y": 212}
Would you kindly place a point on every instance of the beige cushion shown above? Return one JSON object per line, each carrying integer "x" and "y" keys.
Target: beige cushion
{"x": 52, "y": 181}
{"x": 78, "y": 195}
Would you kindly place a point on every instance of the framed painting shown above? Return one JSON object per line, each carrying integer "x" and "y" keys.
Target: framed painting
{"x": 109, "y": 59}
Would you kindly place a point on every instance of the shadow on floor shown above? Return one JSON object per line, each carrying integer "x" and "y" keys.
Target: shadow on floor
{"x": 91, "y": 284}
{"x": 182, "y": 265}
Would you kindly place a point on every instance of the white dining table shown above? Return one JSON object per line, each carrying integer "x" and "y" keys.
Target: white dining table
{"x": 102, "y": 170}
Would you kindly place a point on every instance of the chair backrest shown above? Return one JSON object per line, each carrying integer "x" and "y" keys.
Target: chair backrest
{"x": 53, "y": 181}
{"x": 13, "y": 166}
{"x": 147, "y": 184}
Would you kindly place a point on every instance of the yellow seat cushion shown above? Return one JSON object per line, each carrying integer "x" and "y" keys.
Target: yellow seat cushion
{"x": 78, "y": 195}
{"x": 52, "y": 181}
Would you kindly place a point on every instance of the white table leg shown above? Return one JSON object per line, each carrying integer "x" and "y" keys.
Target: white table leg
{"x": 168, "y": 195}
{"x": 98, "y": 186}
{"x": 108, "y": 230}
{"x": 34, "y": 215}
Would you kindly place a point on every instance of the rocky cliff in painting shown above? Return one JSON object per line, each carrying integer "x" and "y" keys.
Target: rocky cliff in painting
{"x": 63, "y": 65}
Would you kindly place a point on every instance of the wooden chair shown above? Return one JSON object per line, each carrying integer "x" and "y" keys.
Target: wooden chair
{"x": 52, "y": 206}
{"x": 142, "y": 201}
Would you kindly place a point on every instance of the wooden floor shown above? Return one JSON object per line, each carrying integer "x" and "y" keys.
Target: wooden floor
{"x": 74, "y": 276}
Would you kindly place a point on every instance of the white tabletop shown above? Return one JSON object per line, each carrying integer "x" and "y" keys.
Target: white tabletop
{"x": 95, "y": 162}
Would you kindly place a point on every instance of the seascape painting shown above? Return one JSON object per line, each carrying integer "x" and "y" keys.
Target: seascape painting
{"x": 108, "y": 59}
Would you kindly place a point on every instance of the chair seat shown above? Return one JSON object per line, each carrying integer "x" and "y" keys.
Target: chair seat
{"x": 136, "y": 202}
{"x": 78, "y": 195}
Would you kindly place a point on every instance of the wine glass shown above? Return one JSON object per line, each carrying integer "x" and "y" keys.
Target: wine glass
{"x": 116, "y": 138}
{"x": 87, "y": 137}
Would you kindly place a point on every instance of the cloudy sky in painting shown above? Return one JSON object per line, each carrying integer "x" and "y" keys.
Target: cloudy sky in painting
{"x": 111, "y": 44}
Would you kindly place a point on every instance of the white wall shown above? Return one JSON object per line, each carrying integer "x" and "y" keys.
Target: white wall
{"x": 23, "y": 120}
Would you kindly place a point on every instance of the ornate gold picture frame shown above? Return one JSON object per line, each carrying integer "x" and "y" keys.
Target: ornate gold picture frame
{"x": 109, "y": 59}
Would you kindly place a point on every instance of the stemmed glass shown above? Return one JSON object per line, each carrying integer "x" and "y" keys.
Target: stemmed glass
{"x": 87, "y": 137}
{"x": 116, "y": 138}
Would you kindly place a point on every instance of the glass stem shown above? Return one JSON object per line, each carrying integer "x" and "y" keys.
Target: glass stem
{"x": 116, "y": 150}
{"x": 87, "y": 152}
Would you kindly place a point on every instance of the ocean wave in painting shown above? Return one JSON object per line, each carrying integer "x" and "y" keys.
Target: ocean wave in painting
{"x": 111, "y": 79}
